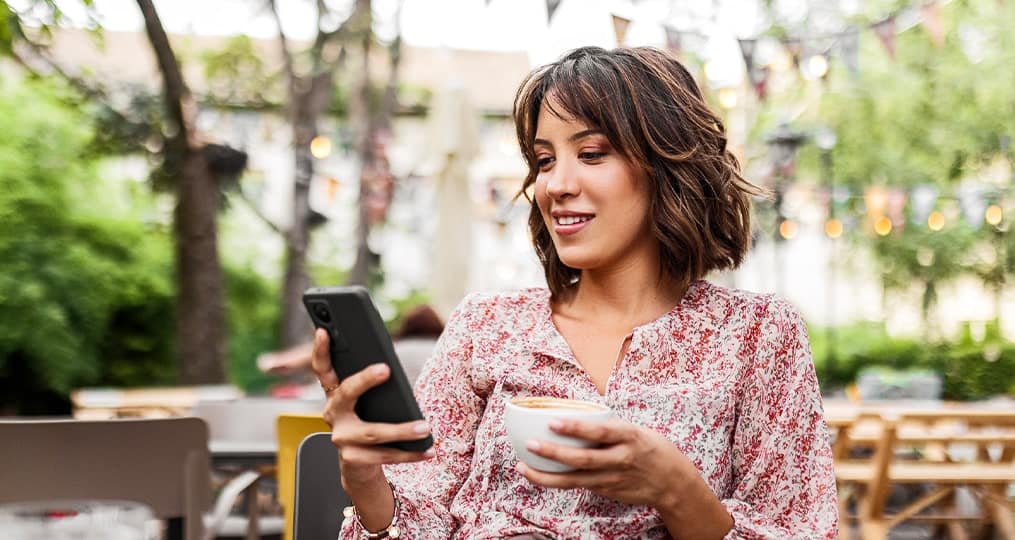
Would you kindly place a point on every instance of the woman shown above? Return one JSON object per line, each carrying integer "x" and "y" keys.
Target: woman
{"x": 719, "y": 430}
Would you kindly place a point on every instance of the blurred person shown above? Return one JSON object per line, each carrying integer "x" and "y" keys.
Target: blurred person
{"x": 718, "y": 430}
{"x": 413, "y": 341}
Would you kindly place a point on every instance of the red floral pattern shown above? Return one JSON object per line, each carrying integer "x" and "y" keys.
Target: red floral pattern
{"x": 726, "y": 375}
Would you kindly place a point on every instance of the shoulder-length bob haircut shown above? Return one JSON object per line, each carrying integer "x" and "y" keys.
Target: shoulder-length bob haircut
{"x": 651, "y": 110}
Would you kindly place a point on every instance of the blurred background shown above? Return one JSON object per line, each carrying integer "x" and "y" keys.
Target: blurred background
{"x": 173, "y": 174}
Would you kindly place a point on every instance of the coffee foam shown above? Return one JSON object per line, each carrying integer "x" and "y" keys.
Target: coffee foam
{"x": 538, "y": 402}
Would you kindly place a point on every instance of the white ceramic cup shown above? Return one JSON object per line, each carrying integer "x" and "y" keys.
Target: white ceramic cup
{"x": 528, "y": 418}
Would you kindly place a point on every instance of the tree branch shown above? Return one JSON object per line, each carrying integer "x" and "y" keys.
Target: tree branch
{"x": 89, "y": 89}
{"x": 257, "y": 212}
{"x": 287, "y": 57}
{"x": 345, "y": 30}
{"x": 179, "y": 102}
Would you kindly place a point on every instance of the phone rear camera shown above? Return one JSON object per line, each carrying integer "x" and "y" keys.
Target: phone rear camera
{"x": 322, "y": 313}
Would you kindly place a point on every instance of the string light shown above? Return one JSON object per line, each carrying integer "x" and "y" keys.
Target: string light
{"x": 788, "y": 229}
{"x": 320, "y": 147}
{"x": 833, "y": 228}
{"x": 936, "y": 221}
{"x": 728, "y": 97}
{"x": 883, "y": 226}
{"x": 712, "y": 70}
{"x": 816, "y": 67}
{"x": 994, "y": 215}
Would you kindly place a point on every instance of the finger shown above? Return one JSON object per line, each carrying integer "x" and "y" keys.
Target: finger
{"x": 320, "y": 360}
{"x": 374, "y": 433}
{"x": 570, "y": 480}
{"x": 610, "y": 457}
{"x": 609, "y": 432}
{"x": 358, "y": 383}
{"x": 379, "y": 455}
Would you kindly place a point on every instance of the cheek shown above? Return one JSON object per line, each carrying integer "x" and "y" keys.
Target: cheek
{"x": 539, "y": 195}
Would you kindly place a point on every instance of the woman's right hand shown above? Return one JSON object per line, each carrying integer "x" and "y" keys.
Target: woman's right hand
{"x": 358, "y": 442}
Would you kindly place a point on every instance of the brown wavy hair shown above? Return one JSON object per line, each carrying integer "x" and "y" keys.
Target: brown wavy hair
{"x": 651, "y": 110}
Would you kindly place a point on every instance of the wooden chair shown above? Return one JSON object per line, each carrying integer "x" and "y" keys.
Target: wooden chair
{"x": 319, "y": 494}
{"x": 162, "y": 463}
{"x": 893, "y": 461}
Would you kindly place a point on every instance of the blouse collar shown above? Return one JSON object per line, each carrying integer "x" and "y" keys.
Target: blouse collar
{"x": 547, "y": 340}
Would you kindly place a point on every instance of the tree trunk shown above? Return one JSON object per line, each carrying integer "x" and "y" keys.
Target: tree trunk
{"x": 200, "y": 314}
{"x": 366, "y": 260}
{"x": 307, "y": 102}
{"x": 306, "y": 107}
{"x": 295, "y": 329}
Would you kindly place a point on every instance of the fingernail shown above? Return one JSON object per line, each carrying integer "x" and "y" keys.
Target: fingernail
{"x": 421, "y": 427}
{"x": 556, "y": 424}
{"x": 430, "y": 452}
{"x": 378, "y": 370}
{"x": 532, "y": 445}
{"x": 520, "y": 467}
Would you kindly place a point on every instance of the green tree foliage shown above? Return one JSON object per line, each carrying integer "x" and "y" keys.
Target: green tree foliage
{"x": 87, "y": 295}
{"x": 237, "y": 75}
{"x": 970, "y": 369}
{"x": 932, "y": 115}
{"x": 83, "y": 297}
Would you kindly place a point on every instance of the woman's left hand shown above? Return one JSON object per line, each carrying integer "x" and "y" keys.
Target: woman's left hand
{"x": 633, "y": 465}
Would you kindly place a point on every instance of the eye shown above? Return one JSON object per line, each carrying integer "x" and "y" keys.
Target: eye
{"x": 591, "y": 156}
{"x": 544, "y": 162}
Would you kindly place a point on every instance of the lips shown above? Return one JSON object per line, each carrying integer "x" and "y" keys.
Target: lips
{"x": 567, "y": 223}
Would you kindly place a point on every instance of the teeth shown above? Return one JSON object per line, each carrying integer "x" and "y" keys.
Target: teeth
{"x": 571, "y": 220}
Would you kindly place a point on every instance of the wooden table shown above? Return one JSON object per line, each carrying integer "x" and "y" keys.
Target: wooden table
{"x": 892, "y": 431}
{"x": 153, "y": 402}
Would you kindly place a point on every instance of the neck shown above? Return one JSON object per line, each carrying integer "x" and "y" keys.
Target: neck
{"x": 635, "y": 292}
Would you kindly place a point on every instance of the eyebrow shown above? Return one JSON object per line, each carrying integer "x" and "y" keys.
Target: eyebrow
{"x": 577, "y": 136}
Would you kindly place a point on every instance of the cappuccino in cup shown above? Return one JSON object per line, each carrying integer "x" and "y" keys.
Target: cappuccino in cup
{"x": 528, "y": 418}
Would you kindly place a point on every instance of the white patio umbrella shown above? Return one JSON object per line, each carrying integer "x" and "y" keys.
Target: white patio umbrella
{"x": 453, "y": 142}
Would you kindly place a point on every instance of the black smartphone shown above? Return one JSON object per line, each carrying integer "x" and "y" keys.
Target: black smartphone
{"x": 357, "y": 339}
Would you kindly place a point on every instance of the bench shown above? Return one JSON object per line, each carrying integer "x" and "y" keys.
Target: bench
{"x": 894, "y": 435}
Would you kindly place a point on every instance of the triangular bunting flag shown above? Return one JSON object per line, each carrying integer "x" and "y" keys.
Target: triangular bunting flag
{"x": 972, "y": 202}
{"x": 756, "y": 75}
{"x": 849, "y": 49}
{"x": 620, "y": 25}
{"x": 896, "y": 207}
{"x": 795, "y": 48}
{"x": 924, "y": 197}
{"x": 551, "y": 7}
{"x": 885, "y": 30}
{"x": 930, "y": 15}
{"x": 747, "y": 48}
{"x": 761, "y": 81}
{"x": 673, "y": 41}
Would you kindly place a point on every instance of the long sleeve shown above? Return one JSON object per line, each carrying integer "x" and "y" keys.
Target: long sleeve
{"x": 453, "y": 409}
{"x": 784, "y": 482}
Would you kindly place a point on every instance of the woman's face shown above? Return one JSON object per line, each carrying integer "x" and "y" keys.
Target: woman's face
{"x": 594, "y": 202}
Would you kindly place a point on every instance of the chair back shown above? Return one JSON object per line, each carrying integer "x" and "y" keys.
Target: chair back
{"x": 162, "y": 463}
{"x": 292, "y": 429}
{"x": 319, "y": 494}
{"x": 249, "y": 419}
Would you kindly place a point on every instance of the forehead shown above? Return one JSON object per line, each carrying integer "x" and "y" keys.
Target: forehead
{"x": 553, "y": 116}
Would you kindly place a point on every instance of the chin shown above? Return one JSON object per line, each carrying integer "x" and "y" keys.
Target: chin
{"x": 576, "y": 260}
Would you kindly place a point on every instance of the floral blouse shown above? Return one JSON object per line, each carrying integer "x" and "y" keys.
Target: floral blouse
{"x": 726, "y": 375}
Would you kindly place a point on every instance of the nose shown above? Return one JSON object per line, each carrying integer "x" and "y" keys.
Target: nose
{"x": 562, "y": 181}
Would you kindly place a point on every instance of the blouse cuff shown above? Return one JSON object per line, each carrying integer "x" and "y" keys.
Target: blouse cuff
{"x": 745, "y": 521}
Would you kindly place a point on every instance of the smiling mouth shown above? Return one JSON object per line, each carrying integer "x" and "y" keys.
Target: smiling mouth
{"x": 571, "y": 220}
